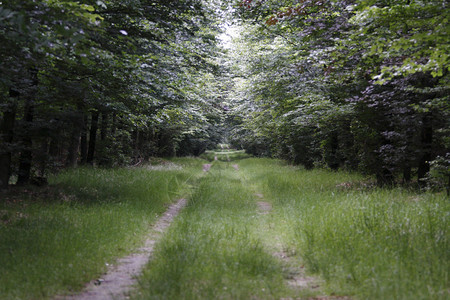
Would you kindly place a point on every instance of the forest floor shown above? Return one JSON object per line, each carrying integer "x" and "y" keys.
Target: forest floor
{"x": 240, "y": 229}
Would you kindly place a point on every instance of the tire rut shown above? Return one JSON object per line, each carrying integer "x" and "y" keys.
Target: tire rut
{"x": 119, "y": 280}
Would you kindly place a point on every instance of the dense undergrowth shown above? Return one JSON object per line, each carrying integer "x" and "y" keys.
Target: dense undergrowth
{"x": 56, "y": 240}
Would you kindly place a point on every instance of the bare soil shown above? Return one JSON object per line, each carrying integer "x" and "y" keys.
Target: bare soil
{"x": 119, "y": 279}
{"x": 264, "y": 207}
{"x": 297, "y": 277}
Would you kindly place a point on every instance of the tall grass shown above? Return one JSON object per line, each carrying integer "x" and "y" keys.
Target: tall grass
{"x": 366, "y": 242}
{"x": 211, "y": 251}
{"x": 371, "y": 243}
{"x": 54, "y": 244}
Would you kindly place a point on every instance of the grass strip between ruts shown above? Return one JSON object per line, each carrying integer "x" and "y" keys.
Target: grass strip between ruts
{"x": 210, "y": 252}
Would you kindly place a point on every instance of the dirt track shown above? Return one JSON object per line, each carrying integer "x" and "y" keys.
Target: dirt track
{"x": 119, "y": 279}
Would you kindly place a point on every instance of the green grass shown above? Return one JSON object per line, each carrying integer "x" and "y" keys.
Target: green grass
{"x": 370, "y": 243}
{"x": 365, "y": 242}
{"x": 62, "y": 237}
{"x": 211, "y": 251}
{"x": 225, "y": 155}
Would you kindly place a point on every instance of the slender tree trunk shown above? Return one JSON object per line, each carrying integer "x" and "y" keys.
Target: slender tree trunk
{"x": 146, "y": 151}
{"x": 407, "y": 174}
{"x": 26, "y": 156}
{"x": 6, "y": 138}
{"x": 104, "y": 126}
{"x": 114, "y": 124}
{"x": 74, "y": 144}
{"x": 43, "y": 157}
{"x": 333, "y": 162}
{"x": 83, "y": 140}
{"x": 104, "y": 159}
{"x": 136, "y": 138}
{"x": 92, "y": 138}
{"x": 427, "y": 140}
{"x": 448, "y": 186}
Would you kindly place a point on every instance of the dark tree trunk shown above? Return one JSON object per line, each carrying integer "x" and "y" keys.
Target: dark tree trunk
{"x": 74, "y": 144}
{"x": 385, "y": 177}
{"x": 104, "y": 127}
{"x": 92, "y": 138}
{"x": 448, "y": 186}
{"x": 407, "y": 174}
{"x": 83, "y": 140}
{"x": 53, "y": 150}
{"x": 136, "y": 141}
{"x": 104, "y": 159}
{"x": 427, "y": 140}
{"x": 43, "y": 157}
{"x": 114, "y": 125}
{"x": 333, "y": 161}
{"x": 6, "y": 138}
{"x": 26, "y": 156}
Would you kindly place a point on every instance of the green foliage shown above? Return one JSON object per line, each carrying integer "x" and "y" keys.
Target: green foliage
{"x": 414, "y": 33}
{"x": 139, "y": 67}
{"x": 345, "y": 84}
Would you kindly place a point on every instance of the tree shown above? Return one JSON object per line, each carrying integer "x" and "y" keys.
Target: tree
{"x": 376, "y": 70}
{"x": 100, "y": 82}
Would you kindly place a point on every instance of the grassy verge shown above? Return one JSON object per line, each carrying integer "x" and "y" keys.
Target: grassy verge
{"x": 370, "y": 243}
{"x": 54, "y": 240}
{"x": 211, "y": 251}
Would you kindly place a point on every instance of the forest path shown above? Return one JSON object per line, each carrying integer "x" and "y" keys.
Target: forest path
{"x": 120, "y": 278}
{"x": 268, "y": 229}
{"x": 295, "y": 274}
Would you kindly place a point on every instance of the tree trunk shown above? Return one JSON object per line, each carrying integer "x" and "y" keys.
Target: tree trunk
{"x": 136, "y": 138}
{"x": 333, "y": 161}
{"x": 385, "y": 177}
{"x": 74, "y": 144}
{"x": 43, "y": 157}
{"x": 83, "y": 140}
{"x": 104, "y": 127}
{"x": 7, "y": 135}
{"x": 104, "y": 158}
{"x": 92, "y": 138}
{"x": 427, "y": 140}
{"x": 406, "y": 174}
{"x": 26, "y": 156}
